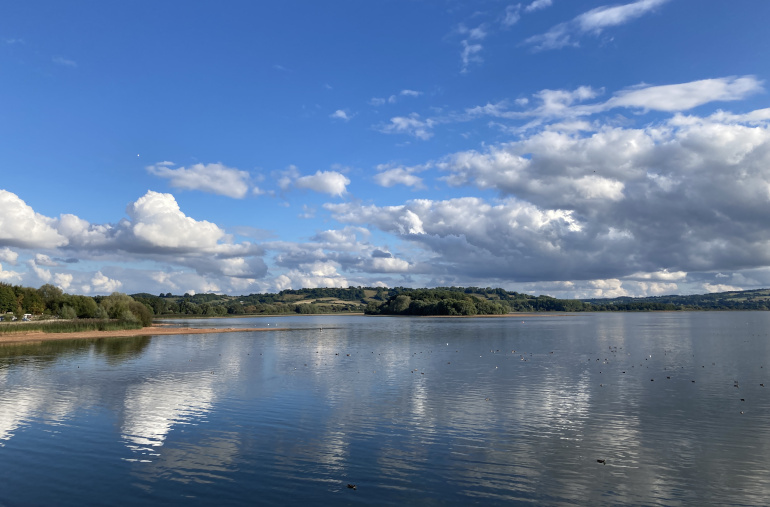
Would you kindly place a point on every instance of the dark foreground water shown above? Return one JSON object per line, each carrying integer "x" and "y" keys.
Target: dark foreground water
{"x": 411, "y": 410}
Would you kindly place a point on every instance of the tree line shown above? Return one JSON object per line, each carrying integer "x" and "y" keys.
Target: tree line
{"x": 50, "y": 300}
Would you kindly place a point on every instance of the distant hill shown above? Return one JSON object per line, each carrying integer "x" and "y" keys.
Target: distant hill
{"x": 758, "y": 299}
{"x": 436, "y": 301}
{"x": 51, "y": 301}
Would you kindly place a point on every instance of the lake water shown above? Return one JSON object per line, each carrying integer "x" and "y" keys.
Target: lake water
{"x": 413, "y": 411}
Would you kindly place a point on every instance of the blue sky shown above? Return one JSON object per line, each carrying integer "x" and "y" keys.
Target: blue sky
{"x": 570, "y": 148}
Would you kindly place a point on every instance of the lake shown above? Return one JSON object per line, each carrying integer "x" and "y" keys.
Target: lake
{"x": 413, "y": 411}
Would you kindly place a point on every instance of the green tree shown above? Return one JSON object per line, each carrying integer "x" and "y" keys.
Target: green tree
{"x": 67, "y": 312}
{"x": 7, "y": 298}
{"x": 52, "y": 297}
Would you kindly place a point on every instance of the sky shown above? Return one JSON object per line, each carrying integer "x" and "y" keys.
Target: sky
{"x": 572, "y": 148}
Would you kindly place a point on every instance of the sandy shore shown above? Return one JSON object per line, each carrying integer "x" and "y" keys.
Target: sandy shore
{"x": 164, "y": 329}
{"x": 39, "y": 336}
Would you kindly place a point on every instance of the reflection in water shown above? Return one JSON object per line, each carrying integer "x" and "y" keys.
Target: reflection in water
{"x": 410, "y": 410}
{"x": 153, "y": 407}
{"x": 115, "y": 349}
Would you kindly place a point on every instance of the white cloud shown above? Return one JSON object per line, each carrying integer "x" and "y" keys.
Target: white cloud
{"x": 104, "y": 285}
{"x": 469, "y": 55}
{"x": 648, "y": 207}
{"x": 341, "y": 114}
{"x": 8, "y": 255}
{"x": 82, "y": 234}
{"x": 600, "y": 18}
{"x": 43, "y": 274}
{"x": 720, "y": 288}
{"x": 312, "y": 275}
{"x": 286, "y": 177}
{"x": 388, "y": 265}
{"x": 684, "y": 96}
{"x": 379, "y": 101}
{"x": 325, "y": 182}
{"x": 478, "y": 33}
{"x": 7, "y": 276}
{"x": 388, "y": 176}
{"x": 538, "y": 4}
{"x": 158, "y": 222}
{"x": 411, "y": 125}
{"x": 571, "y": 104}
{"x": 512, "y": 15}
{"x": 663, "y": 274}
{"x": 212, "y": 178}
{"x": 63, "y": 280}
{"x": 591, "y": 22}
{"x": 21, "y": 227}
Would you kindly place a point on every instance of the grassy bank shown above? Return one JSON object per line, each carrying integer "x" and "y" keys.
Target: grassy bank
{"x": 67, "y": 326}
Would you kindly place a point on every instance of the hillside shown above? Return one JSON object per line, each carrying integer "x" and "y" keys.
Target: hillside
{"x": 50, "y": 301}
{"x": 437, "y": 301}
{"x": 758, "y": 299}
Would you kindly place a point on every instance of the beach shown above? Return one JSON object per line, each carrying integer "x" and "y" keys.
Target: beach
{"x": 39, "y": 336}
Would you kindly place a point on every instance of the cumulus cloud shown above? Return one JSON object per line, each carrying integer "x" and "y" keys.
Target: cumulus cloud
{"x": 591, "y": 22}
{"x": 212, "y": 178}
{"x": 157, "y": 221}
{"x": 346, "y": 250}
{"x": 333, "y": 183}
{"x": 468, "y": 233}
{"x": 644, "y": 206}
{"x": 325, "y": 182}
{"x": 21, "y": 226}
{"x": 8, "y": 255}
{"x": 43, "y": 274}
{"x": 720, "y": 288}
{"x": 341, "y": 114}
{"x": 8, "y": 276}
{"x": 389, "y": 175}
{"x": 104, "y": 285}
{"x": 81, "y": 234}
{"x": 316, "y": 274}
{"x": 387, "y": 265}
{"x": 412, "y": 125}
{"x": 156, "y": 231}
{"x": 63, "y": 280}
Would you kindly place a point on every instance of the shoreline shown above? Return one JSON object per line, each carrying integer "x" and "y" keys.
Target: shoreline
{"x": 163, "y": 329}
{"x": 40, "y": 336}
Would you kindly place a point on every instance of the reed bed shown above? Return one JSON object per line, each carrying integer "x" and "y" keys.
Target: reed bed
{"x": 67, "y": 326}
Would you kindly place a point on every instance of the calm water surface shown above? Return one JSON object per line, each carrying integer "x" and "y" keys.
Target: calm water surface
{"x": 410, "y": 410}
